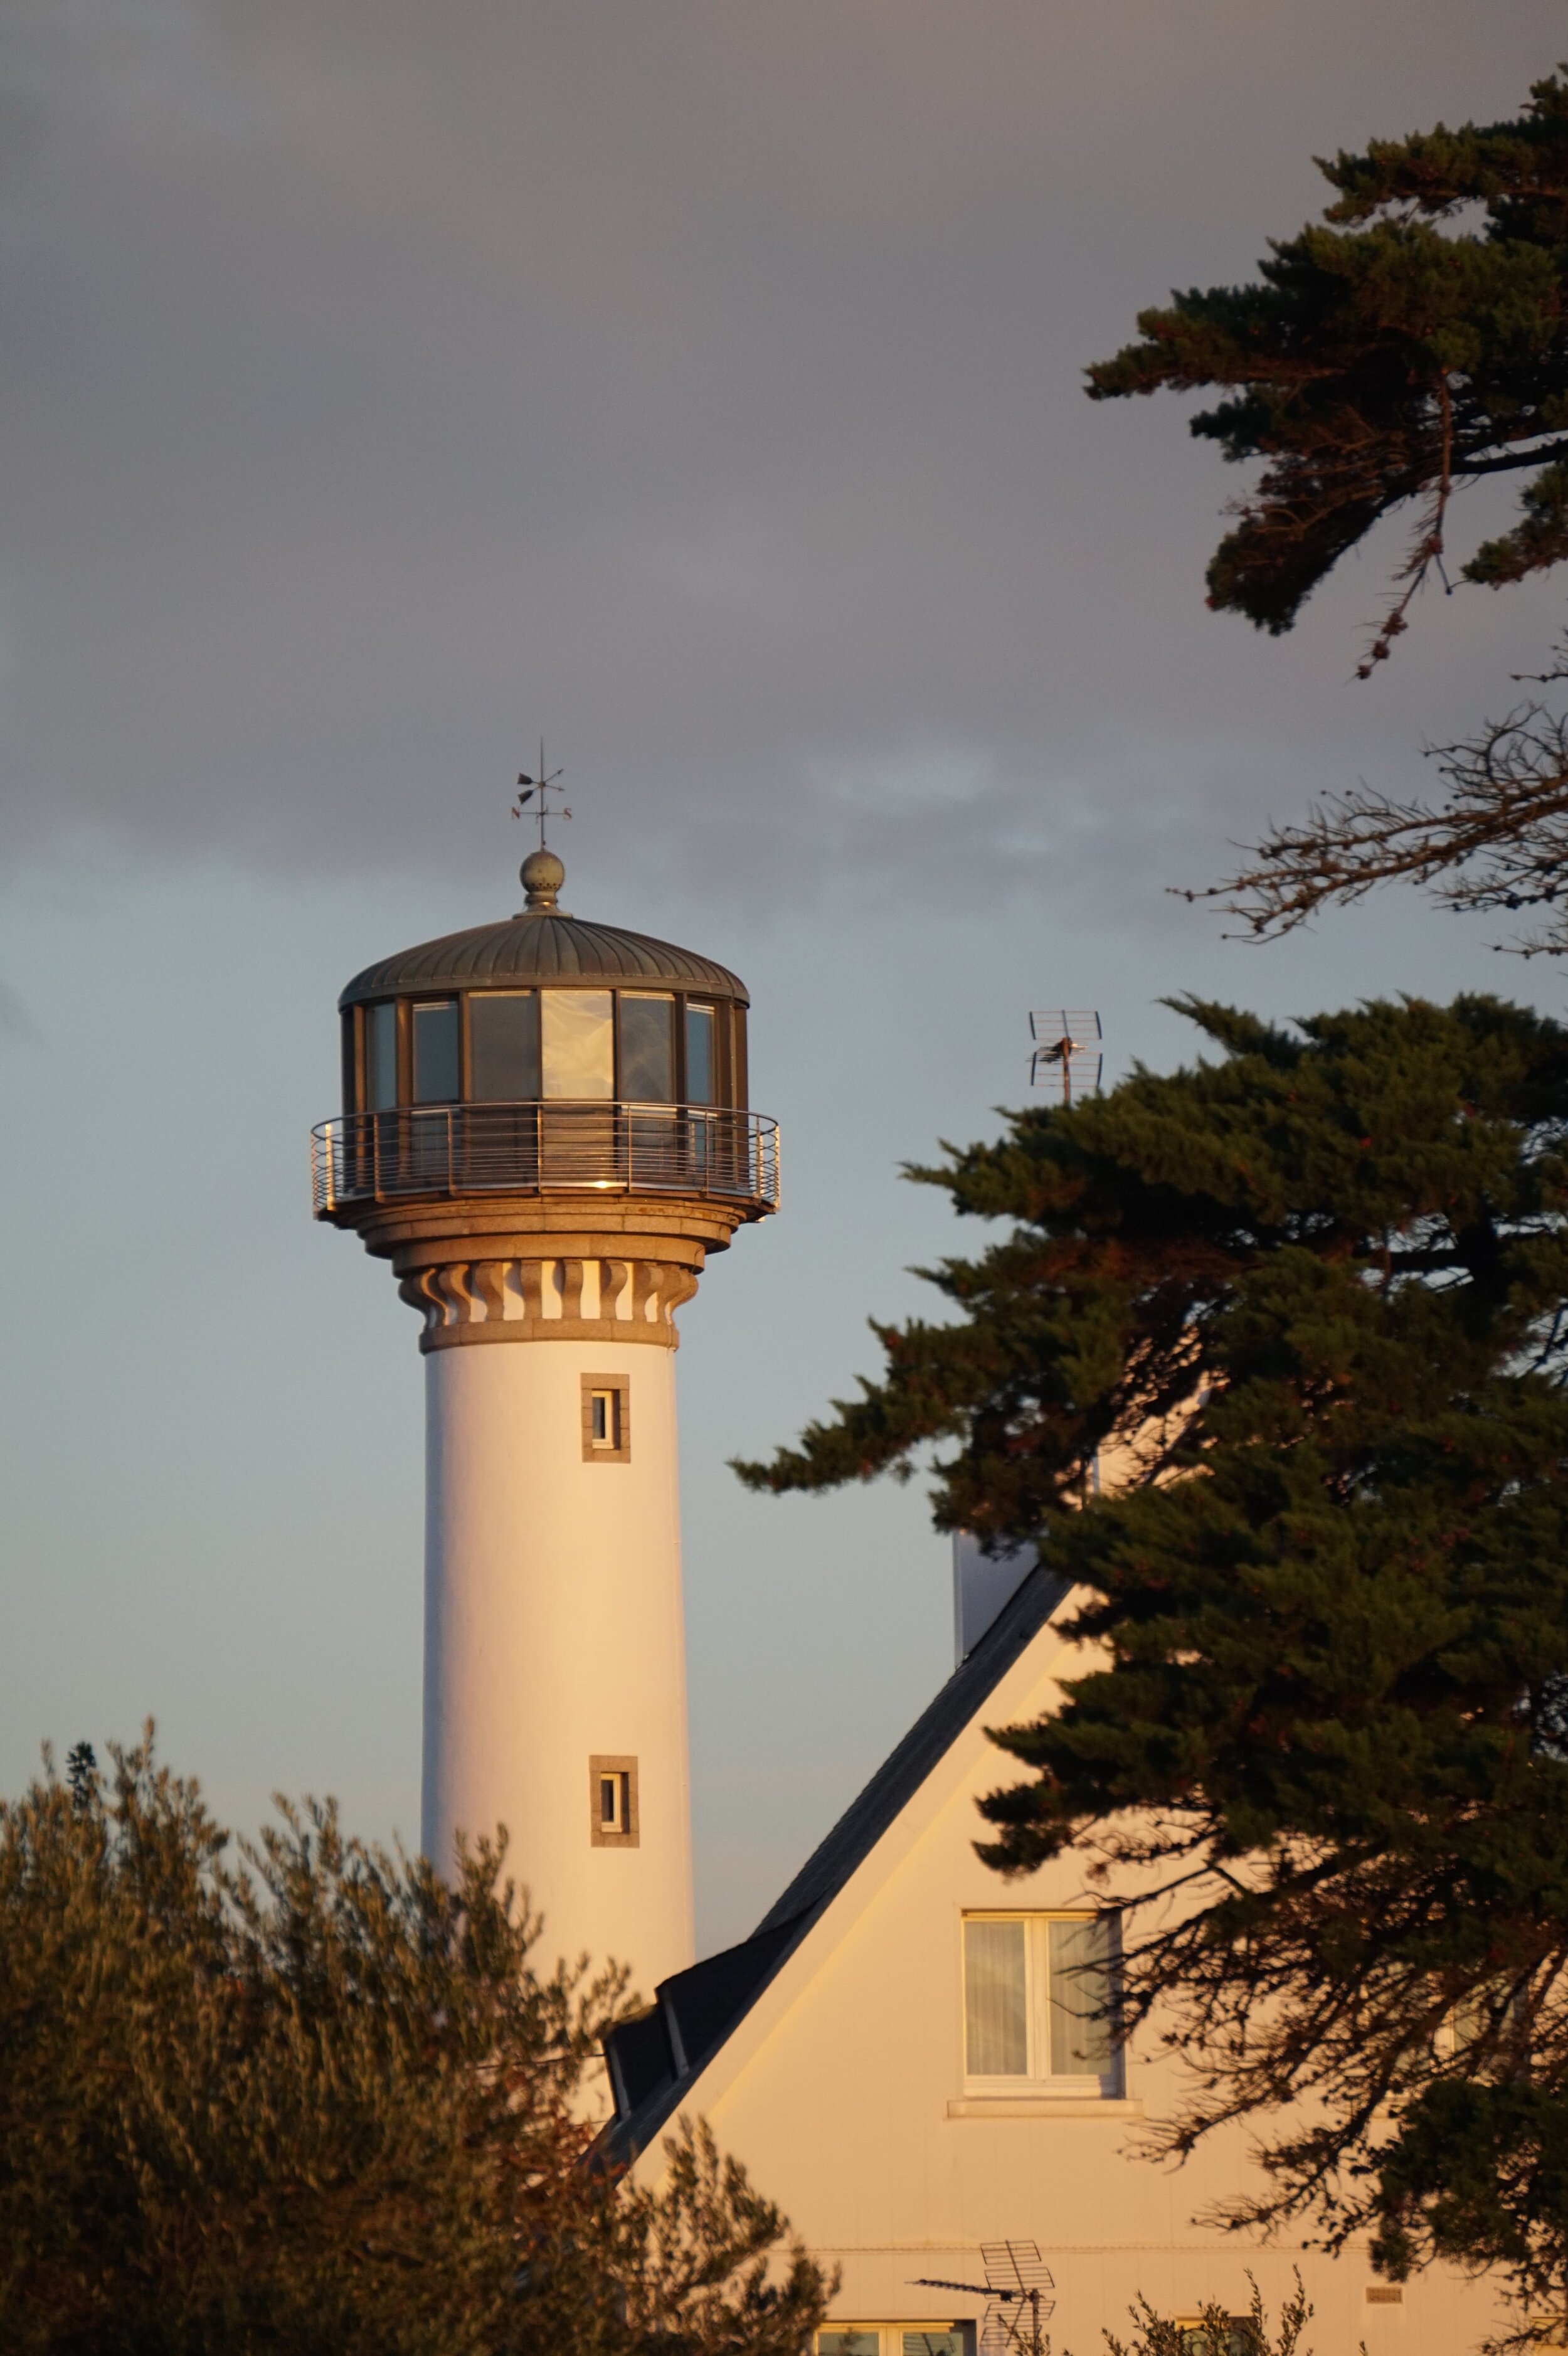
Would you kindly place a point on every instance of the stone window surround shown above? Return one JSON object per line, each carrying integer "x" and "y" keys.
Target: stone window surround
{"x": 612, "y": 1763}
{"x": 595, "y": 1452}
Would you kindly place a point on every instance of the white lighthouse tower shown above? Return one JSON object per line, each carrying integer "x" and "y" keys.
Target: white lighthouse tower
{"x": 545, "y": 1130}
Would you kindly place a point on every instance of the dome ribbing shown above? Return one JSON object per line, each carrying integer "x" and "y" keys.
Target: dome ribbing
{"x": 533, "y": 950}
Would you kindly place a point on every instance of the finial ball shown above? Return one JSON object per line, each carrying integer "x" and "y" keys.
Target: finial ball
{"x": 542, "y": 876}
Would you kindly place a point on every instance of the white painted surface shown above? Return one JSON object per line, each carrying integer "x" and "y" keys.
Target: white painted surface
{"x": 554, "y": 1630}
{"x": 844, "y": 2093}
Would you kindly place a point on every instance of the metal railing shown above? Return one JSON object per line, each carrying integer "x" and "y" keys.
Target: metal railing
{"x": 431, "y": 1151}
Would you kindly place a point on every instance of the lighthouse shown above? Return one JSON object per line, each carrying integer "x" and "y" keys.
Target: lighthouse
{"x": 545, "y": 1130}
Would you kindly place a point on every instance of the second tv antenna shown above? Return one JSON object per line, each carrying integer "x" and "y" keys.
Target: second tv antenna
{"x": 1067, "y": 1054}
{"x": 1017, "y": 2293}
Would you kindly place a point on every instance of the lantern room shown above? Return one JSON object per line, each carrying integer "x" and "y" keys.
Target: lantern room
{"x": 544, "y": 1051}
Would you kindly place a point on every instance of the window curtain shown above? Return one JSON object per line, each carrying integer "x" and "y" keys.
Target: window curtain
{"x": 996, "y": 2000}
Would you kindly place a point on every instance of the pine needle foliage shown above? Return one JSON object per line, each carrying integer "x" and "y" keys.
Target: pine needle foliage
{"x": 312, "y": 2099}
{"x": 1414, "y": 340}
{"x": 1316, "y": 1287}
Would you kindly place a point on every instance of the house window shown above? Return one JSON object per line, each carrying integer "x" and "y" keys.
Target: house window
{"x": 1234, "y": 2337}
{"x": 1035, "y": 1987}
{"x": 612, "y": 1800}
{"x": 606, "y": 1419}
{"x": 897, "y": 2340}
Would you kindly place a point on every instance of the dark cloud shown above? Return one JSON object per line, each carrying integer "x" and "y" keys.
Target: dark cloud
{"x": 699, "y": 383}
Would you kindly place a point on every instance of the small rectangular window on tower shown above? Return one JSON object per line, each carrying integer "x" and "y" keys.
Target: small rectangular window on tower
{"x": 606, "y": 1419}
{"x": 612, "y": 1800}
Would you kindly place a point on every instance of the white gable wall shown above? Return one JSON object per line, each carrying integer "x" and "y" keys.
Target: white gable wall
{"x": 843, "y": 2093}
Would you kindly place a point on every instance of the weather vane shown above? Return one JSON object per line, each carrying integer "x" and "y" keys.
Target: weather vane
{"x": 546, "y": 782}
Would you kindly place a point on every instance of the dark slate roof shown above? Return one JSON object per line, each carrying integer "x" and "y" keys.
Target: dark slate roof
{"x": 541, "y": 948}
{"x": 655, "y": 2058}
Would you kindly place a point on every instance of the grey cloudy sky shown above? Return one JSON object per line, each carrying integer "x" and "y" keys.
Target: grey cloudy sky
{"x": 699, "y": 383}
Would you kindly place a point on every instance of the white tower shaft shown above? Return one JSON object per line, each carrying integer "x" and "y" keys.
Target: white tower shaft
{"x": 555, "y": 1657}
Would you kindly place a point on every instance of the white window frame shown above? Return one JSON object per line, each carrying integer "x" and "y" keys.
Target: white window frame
{"x": 888, "y": 2338}
{"x": 1108, "y": 2085}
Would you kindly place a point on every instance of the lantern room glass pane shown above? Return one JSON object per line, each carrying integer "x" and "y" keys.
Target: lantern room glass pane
{"x": 996, "y": 2000}
{"x": 647, "y": 1049}
{"x": 436, "y": 1061}
{"x": 738, "y": 1078}
{"x": 504, "y": 1046}
{"x": 700, "y": 1056}
{"x": 577, "y": 1043}
{"x": 381, "y": 1056}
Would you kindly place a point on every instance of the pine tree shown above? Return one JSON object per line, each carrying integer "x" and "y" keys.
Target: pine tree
{"x": 1317, "y": 1287}
{"x": 1385, "y": 356}
{"x": 313, "y": 2101}
{"x": 1414, "y": 340}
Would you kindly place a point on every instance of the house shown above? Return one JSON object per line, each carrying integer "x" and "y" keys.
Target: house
{"x": 897, "y": 2056}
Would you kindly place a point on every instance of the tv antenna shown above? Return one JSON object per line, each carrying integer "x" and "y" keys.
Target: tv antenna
{"x": 1067, "y": 1055}
{"x": 544, "y": 785}
{"x": 1016, "y": 2292}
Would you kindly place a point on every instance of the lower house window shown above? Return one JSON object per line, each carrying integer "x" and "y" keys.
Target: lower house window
{"x": 897, "y": 2340}
{"x": 612, "y": 1800}
{"x": 606, "y": 1419}
{"x": 1235, "y": 2336}
{"x": 1036, "y": 1992}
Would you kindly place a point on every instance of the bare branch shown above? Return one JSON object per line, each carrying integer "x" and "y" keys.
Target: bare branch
{"x": 1498, "y": 838}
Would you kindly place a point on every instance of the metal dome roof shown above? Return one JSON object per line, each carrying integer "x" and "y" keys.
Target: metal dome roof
{"x": 542, "y": 948}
